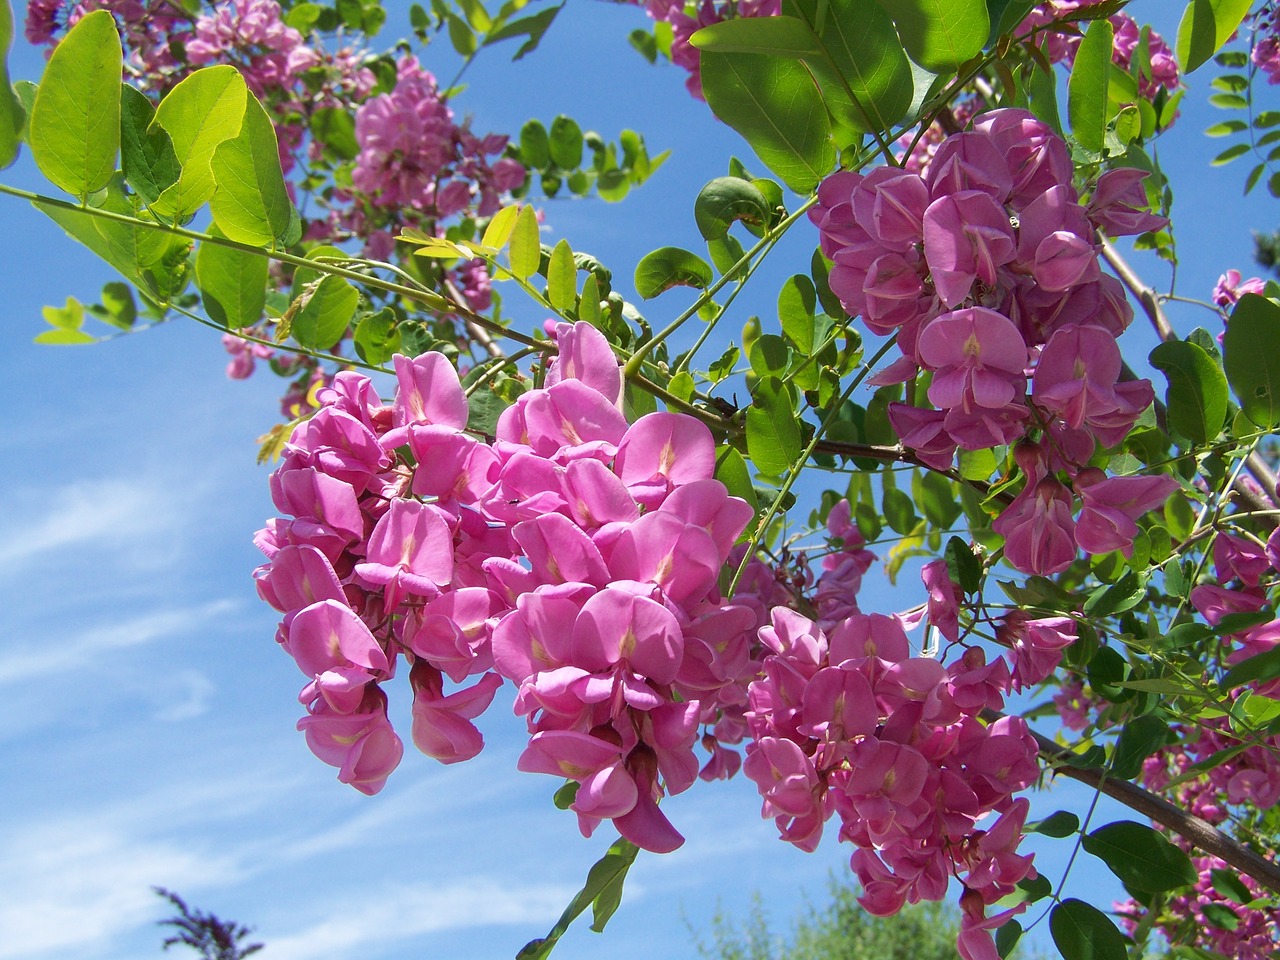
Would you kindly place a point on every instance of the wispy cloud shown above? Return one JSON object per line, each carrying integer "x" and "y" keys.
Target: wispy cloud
{"x": 187, "y": 694}
{"x": 75, "y": 885}
{"x": 402, "y": 912}
{"x": 26, "y": 657}
{"x": 110, "y": 512}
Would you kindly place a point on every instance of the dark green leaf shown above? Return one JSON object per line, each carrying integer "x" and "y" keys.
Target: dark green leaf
{"x": 1197, "y": 394}
{"x": 1261, "y": 666}
{"x": 233, "y": 285}
{"x": 938, "y": 499}
{"x": 565, "y": 796}
{"x": 1251, "y": 352}
{"x": 773, "y": 431}
{"x": 1229, "y": 884}
{"x": 774, "y": 105}
{"x": 1057, "y": 825}
{"x": 864, "y": 76}
{"x": 1007, "y": 937}
{"x": 669, "y": 267}
{"x": 1140, "y": 738}
{"x": 1142, "y": 858}
{"x": 146, "y": 153}
{"x": 940, "y": 34}
{"x": 1087, "y": 106}
{"x": 1083, "y": 932}
{"x": 777, "y": 36}
{"x": 899, "y": 512}
{"x": 1229, "y": 154}
{"x": 322, "y": 320}
{"x": 1109, "y": 599}
{"x": 725, "y": 200}
{"x": 962, "y": 566}
{"x": 1206, "y": 26}
{"x": 1225, "y": 128}
{"x": 75, "y": 123}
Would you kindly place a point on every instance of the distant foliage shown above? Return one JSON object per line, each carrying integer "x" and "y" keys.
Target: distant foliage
{"x": 206, "y": 933}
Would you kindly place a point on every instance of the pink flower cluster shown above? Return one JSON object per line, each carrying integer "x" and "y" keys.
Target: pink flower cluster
{"x": 576, "y": 556}
{"x": 844, "y": 721}
{"x": 986, "y": 271}
{"x": 252, "y": 34}
{"x": 1060, "y": 45}
{"x": 413, "y": 155}
{"x": 685, "y": 24}
{"x": 1231, "y": 286}
{"x": 1265, "y": 54}
{"x": 1221, "y": 924}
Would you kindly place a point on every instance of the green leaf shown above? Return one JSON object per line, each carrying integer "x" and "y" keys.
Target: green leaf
{"x": 1262, "y": 666}
{"x": 565, "y": 143}
{"x": 526, "y": 249}
{"x": 797, "y": 303}
{"x": 67, "y": 317}
{"x": 940, "y": 34}
{"x": 1229, "y": 885}
{"x": 1142, "y": 858}
{"x": 141, "y": 254}
{"x": 602, "y": 891}
{"x": 778, "y": 36}
{"x": 305, "y": 275}
{"x": 669, "y": 267}
{"x": 233, "y": 285}
{"x": 963, "y": 567}
{"x": 562, "y": 277}
{"x": 864, "y": 77}
{"x": 75, "y": 123}
{"x": 1251, "y": 352}
{"x": 535, "y": 145}
{"x": 774, "y": 105}
{"x": 1083, "y": 932}
{"x": 1225, "y": 128}
{"x": 727, "y": 199}
{"x": 250, "y": 203}
{"x": 1229, "y": 154}
{"x": 377, "y": 338}
{"x": 773, "y": 430}
{"x": 199, "y": 113}
{"x": 1057, "y": 825}
{"x": 323, "y": 318}
{"x": 731, "y": 470}
{"x": 12, "y": 115}
{"x": 769, "y": 356}
{"x": 335, "y": 127}
{"x": 1140, "y": 738}
{"x": 939, "y": 500}
{"x": 500, "y": 227}
{"x": 118, "y": 306}
{"x": 533, "y": 27}
{"x": 899, "y": 512}
{"x": 1197, "y": 394}
{"x": 146, "y": 152}
{"x": 1207, "y": 25}
{"x": 1112, "y": 598}
{"x": 1087, "y": 106}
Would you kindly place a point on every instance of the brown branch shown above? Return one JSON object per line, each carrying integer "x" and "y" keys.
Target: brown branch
{"x": 478, "y": 333}
{"x": 1149, "y": 300}
{"x": 1200, "y": 833}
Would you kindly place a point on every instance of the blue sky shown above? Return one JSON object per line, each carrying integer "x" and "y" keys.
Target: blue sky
{"x": 149, "y": 718}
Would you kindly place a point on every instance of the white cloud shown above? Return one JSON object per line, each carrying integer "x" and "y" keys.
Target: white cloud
{"x": 76, "y": 885}
{"x": 32, "y": 656}
{"x": 359, "y": 926}
{"x": 187, "y": 695}
{"x": 116, "y": 512}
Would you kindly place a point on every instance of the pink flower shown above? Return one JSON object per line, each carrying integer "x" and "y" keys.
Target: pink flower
{"x": 1038, "y": 530}
{"x": 1111, "y": 507}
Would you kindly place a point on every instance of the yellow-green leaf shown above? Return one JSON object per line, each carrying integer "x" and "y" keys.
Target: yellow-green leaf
{"x": 75, "y": 122}
{"x": 200, "y": 113}
{"x": 250, "y": 203}
{"x": 526, "y": 247}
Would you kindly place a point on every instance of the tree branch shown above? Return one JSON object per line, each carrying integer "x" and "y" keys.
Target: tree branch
{"x": 1200, "y": 833}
